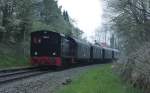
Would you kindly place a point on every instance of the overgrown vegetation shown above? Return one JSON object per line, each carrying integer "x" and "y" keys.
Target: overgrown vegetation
{"x": 98, "y": 80}
{"x": 131, "y": 21}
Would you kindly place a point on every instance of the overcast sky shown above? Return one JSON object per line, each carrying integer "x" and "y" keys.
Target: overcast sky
{"x": 86, "y": 13}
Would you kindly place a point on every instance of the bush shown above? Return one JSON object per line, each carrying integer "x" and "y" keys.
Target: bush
{"x": 135, "y": 67}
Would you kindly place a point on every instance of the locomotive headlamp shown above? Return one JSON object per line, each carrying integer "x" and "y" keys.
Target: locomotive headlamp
{"x": 39, "y": 41}
{"x": 35, "y": 53}
{"x": 35, "y": 40}
{"x": 45, "y": 32}
{"x": 54, "y": 54}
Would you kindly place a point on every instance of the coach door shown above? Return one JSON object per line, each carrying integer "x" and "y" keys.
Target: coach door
{"x": 72, "y": 48}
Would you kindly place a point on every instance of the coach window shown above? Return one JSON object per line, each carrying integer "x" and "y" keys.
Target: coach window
{"x": 83, "y": 48}
{"x": 80, "y": 49}
{"x": 87, "y": 50}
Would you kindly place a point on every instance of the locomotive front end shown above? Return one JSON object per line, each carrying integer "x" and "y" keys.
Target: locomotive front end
{"x": 45, "y": 48}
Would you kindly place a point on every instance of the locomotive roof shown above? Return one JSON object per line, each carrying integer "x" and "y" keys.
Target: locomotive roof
{"x": 116, "y": 50}
{"x": 47, "y": 31}
{"x": 112, "y": 49}
{"x": 96, "y": 45}
{"x": 80, "y": 42}
{"x": 43, "y": 31}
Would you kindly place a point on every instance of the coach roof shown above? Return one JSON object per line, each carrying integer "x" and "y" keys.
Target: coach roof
{"x": 81, "y": 42}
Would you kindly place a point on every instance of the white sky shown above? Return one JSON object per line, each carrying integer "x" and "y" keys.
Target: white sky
{"x": 86, "y": 13}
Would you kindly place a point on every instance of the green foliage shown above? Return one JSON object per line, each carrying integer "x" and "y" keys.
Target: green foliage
{"x": 37, "y": 25}
{"x": 19, "y": 18}
{"x": 51, "y": 18}
{"x": 12, "y": 56}
{"x": 8, "y": 61}
{"x": 16, "y": 19}
{"x": 98, "y": 80}
{"x": 66, "y": 16}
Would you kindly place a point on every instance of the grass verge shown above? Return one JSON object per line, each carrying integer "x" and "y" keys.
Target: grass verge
{"x": 8, "y": 61}
{"x": 98, "y": 80}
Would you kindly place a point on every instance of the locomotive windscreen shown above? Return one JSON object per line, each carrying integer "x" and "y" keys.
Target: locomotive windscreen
{"x": 45, "y": 44}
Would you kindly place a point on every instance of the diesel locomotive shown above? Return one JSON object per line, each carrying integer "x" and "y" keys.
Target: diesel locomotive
{"x": 55, "y": 49}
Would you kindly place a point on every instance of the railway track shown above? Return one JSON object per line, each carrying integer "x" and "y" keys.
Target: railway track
{"x": 9, "y": 75}
{"x": 15, "y": 74}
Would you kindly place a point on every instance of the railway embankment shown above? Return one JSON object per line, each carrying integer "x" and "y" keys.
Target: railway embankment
{"x": 12, "y": 56}
{"x": 9, "y": 61}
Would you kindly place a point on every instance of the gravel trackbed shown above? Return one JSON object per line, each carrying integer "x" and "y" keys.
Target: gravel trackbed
{"x": 45, "y": 83}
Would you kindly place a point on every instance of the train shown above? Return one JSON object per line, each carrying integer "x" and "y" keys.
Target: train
{"x": 55, "y": 49}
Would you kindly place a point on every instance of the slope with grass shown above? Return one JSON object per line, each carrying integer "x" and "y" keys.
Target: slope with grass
{"x": 12, "y": 56}
{"x": 99, "y": 80}
{"x": 7, "y": 61}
